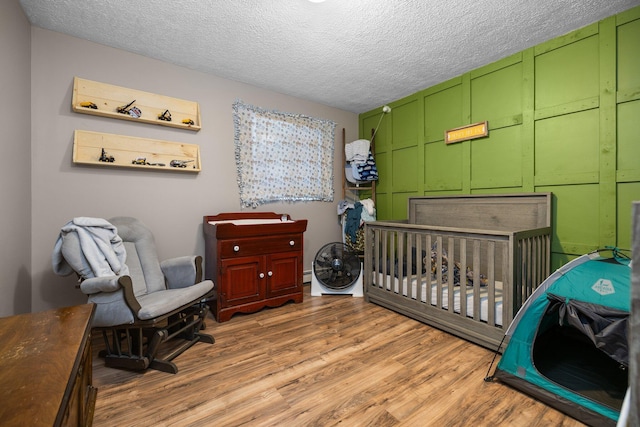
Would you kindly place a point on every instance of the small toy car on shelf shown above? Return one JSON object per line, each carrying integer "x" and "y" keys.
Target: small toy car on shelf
{"x": 139, "y": 161}
{"x": 89, "y": 104}
{"x": 179, "y": 163}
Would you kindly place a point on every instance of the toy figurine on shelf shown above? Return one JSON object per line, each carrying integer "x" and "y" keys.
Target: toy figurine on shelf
{"x": 134, "y": 112}
{"x": 105, "y": 158}
{"x": 89, "y": 104}
{"x": 179, "y": 163}
{"x": 188, "y": 122}
{"x": 139, "y": 161}
{"x": 125, "y": 109}
{"x": 166, "y": 116}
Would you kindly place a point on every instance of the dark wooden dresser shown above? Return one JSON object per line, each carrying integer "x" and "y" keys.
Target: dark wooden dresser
{"x": 254, "y": 259}
{"x": 45, "y": 368}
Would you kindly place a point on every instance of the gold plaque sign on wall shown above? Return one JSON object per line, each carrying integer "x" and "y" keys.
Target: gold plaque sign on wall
{"x": 463, "y": 133}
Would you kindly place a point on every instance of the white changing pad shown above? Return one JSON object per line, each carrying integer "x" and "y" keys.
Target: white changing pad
{"x": 257, "y": 221}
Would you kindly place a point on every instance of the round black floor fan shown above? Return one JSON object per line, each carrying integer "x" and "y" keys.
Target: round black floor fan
{"x": 336, "y": 270}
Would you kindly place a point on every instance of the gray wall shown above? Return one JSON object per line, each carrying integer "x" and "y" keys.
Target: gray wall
{"x": 15, "y": 176}
{"x": 171, "y": 204}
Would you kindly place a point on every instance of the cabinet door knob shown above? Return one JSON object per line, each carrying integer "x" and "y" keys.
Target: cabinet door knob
{"x": 270, "y": 273}
{"x": 262, "y": 275}
{"x": 236, "y": 248}
{"x": 291, "y": 243}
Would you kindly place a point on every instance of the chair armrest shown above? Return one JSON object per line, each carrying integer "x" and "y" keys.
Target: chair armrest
{"x": 96, "y": 285}
{"x": 129, "y": 295}
{"x": 108, "y": 284}
{"x": 182, "y": 271}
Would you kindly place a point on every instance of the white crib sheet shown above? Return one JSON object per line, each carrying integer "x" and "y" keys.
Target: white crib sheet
{"x": 387, "y": 281}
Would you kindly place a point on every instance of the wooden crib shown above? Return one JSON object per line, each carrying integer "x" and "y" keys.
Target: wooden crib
{"x": 463, "y": 264}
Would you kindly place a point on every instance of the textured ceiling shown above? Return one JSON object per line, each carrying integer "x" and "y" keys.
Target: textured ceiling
{"x": 351, "y": 54}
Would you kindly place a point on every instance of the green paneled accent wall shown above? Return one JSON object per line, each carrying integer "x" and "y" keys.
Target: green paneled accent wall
{"x": 442, "y": 110}
{"x": 497, "y": 162}
{"x": 628, "y": 42}
{"x": 564, "y": 117}
{"x": 443, "y": 171}
{"x": 628, "y": 153}
{"x": 567, "y": 74}
{"x": 502, "y": 107}
{"x": 567, "y": 149}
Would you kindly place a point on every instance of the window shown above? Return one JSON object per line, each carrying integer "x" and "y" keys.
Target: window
{"x": 282, "y": 156}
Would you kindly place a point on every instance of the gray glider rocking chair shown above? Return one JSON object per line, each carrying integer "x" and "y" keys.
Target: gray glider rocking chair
{"x": 141, "y": 303}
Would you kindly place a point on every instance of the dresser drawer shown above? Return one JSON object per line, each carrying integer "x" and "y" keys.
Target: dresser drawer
{"x": 258, "y": 246}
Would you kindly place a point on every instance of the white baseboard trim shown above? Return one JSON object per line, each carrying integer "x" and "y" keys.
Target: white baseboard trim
{"x": 306, "y": 276}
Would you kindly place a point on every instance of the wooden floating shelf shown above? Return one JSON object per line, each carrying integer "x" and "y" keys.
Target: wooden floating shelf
{"x": 108, "y": 98}
{"x": 126, "y": 151}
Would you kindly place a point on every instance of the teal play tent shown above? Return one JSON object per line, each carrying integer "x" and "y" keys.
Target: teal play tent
{"x": 568, "y": 344}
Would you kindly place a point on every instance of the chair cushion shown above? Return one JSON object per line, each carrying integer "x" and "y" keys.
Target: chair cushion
{"x": 111, "y": 309}
{"x": 162, "y": 302}
{"x": 143, "y": 276}
{"x": 142, "y": 257}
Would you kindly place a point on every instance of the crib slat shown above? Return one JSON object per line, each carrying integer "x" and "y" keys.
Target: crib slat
{"x": 491, "y": 283}
{"x": 463, "y": 269}
{"x": 450, "y": 275}
{"x": 416, "y": 245}
{"x": 429, "y": 244}
{"x": 376, "y": 254}
{"x": 439, "y": 271}
{"x": 409, "y": 263}
{"x": 476, "y": 279}
{"x": 400, "y": 260}
{"x": 508, "y": 309}
{"x": 385, "y": 256}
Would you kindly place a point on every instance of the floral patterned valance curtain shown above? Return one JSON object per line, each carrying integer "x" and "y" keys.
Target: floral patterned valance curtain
{"x": 282, "y": 156}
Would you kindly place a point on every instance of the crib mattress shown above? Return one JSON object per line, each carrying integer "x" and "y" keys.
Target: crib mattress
{"x": 398, "y": 286}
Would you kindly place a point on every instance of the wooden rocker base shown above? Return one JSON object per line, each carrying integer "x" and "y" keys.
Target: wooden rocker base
{"x": 136, "y": 347}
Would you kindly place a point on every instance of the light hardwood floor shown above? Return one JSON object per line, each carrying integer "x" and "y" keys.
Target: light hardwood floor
{"x": 331, "y": 360}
